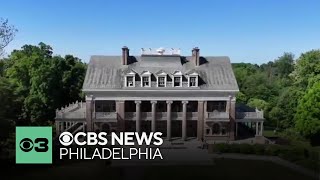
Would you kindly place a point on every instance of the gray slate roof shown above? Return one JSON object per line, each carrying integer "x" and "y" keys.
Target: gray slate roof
{"x": 107, "y": 72}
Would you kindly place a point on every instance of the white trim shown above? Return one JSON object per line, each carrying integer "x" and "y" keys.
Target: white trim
{"x": 146, "y": 73}
{"x": 131, "y": 73}
{"x": 177, "y": 73}
{"x": 162, "y": 74}
{"x": 194, "y": 74}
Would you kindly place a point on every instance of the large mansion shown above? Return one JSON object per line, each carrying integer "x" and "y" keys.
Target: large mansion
{"x": 161, "y": 90}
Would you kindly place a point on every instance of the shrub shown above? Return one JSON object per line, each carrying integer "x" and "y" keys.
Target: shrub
{"x": 300, "y": 155}
{"x": 259, "y": 149}
{"x": 246, "y": 149}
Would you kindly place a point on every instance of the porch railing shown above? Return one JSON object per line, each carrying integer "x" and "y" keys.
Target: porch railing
{"x": 249, "y": 115}
{"x": 217, "y": 115}
{"x": 162, "y": 115}
{"x": 106, "y": 115}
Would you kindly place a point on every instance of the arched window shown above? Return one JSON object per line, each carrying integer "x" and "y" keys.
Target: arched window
{"x": 215, "y": 128}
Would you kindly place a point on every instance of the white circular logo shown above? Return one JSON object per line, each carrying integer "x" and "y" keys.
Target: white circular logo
{"x": 66, "y": 138}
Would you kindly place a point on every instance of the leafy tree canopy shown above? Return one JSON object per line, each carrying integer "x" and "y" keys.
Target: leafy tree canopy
{"x": 44, "y": 82}
{"x": 308, "y": 112}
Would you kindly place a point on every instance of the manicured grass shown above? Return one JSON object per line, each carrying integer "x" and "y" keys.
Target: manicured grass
{"x": 221, "y": 169}
{"x": 270, "y": 133}
{"x": 226, "y": 169}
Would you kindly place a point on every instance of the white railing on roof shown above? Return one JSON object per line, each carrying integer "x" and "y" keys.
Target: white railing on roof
{"x": 71, "y": 115}
{"x": 160, "y": 51}
{"x": 258, "y": 114}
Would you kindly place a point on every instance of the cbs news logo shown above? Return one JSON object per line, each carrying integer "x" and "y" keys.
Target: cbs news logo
{"x": 33, "y": 145}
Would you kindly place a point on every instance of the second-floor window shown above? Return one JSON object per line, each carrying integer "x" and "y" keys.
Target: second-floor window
{"x": 177, "y": 81}
{"x": 161, "y": 82}
{"x": 145, "y": 82}
{"x": 130, "y": 82}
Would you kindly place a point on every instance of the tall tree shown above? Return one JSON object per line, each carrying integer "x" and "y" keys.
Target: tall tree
{"x": 284, "y": 64}
{"x": 285, "y": 109}
{"x": 7, "y": 33}
{"x": 307, "y": 118}
{"x": 44, "y": 82}
{"x": 307, "y": 67}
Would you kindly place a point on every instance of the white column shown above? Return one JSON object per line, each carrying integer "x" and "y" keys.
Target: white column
{"x": 184, "y": 120}
{"x": 61, "y": 126}
{"x": 257, "y": 130}
{"x": 169, "y": 119}
{"x": 57, "y": 128}
{"x": 153, "y": 120}
{"x": 261, "y": 128}
{"x": 138, "y": 116}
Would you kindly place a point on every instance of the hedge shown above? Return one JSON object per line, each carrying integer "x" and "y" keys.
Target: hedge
{"x": 306, "y": 157}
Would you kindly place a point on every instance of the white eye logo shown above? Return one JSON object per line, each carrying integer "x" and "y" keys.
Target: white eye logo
{"x": 66, "y": 138}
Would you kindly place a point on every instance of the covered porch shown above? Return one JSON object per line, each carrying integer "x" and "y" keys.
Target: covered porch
{"x": 249, "y": 124}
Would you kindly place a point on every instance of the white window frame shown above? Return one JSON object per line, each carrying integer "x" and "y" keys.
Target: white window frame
{"x": 149, "y": 78}
{"x": 165, "y": 81}
{"x": 180, "y": 81}
{"x": 133, "y": 82}
{"x": 189, "y": 80}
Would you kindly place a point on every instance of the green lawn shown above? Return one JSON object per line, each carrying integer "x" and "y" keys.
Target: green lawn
{"x": 270, "y": 133}
{"x": 222, "y": 169}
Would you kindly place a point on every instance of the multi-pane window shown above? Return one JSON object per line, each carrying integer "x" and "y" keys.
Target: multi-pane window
{"x": 130, "y": 82}
{"x": 177, "y": 81}
{"x": 145, "y": 82}
{"x": 161, "y": 82}
{"x": 193, "y": 82}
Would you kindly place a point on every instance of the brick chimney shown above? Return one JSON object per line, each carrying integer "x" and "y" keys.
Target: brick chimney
{"x": 125, "y": 55}
{"x": 196, "y": 56}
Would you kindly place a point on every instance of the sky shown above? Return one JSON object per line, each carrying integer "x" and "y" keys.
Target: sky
{"x": 252, "y": 31}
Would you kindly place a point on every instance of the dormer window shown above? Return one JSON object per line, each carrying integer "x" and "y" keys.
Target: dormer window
{"x": 193, "y": 79}
{"x": 130, "y": 78}
{"x": 130, "y": 81}
{"x": 145, "y": 81}
{"x": 177, "y": 82}
{"x": 161, "y": 82}
{"x": 161, "y": 78}
{"x": 193, "y": 82}
{"x": 177, "y": 79}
